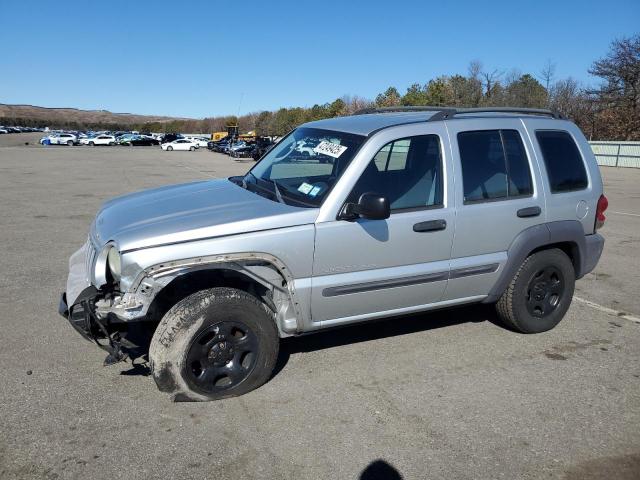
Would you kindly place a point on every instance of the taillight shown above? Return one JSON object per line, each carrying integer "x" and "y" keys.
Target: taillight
{"x": 603, "y": 203}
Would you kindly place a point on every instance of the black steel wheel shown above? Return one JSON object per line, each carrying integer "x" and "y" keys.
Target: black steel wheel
{"x": 540, "y": 293}
{"x": 216, "y": 343}
{"x": 221, "y": 356}
{"x": 544, "y": 291}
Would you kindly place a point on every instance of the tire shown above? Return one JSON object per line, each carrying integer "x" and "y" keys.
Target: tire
{"x": 70, "y": 143}
{"x": 213, "y": 344}
{"x": 169, "y": 148}
{"x": 540, "y": 293}
{"x": 92, "y": 144}
{"x": 192, "y": 149}
{"x": 111, "y": 144}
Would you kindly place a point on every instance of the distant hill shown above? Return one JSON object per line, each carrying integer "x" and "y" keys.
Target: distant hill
{"x": 75, "y": 115}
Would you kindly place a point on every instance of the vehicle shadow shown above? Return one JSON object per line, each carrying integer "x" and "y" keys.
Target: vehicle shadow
{"x": 380, "y": 470}
{"x": 383, "y": 328}
{"x": 351, "y": 334}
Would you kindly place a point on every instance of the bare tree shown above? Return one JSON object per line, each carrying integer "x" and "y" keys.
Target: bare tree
{"x": 491, "y": 79}
{"x": 548, "y": 73}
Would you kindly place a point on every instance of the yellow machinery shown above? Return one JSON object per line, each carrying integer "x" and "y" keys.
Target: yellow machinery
{"x": 215, "y": 136}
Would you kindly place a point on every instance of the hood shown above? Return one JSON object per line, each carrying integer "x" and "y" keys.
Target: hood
{"x": 191, "y": 211}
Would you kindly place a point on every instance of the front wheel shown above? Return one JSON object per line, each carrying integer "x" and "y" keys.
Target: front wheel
{"x": 70, "y": 143}
{"x": 540, "y": 293}
{"x": 214, "y": 344}
{"x": 169, "y": 149}
{"x": 92, "y": 144}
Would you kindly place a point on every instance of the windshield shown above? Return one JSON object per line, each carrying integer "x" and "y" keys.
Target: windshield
{"x": 304, "y": 166}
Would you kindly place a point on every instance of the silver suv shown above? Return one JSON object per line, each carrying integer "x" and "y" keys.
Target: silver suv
{"x": 345, "y": 220}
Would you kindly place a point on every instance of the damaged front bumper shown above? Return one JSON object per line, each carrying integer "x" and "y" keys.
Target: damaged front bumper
{"x": 105, "y": 332}
{"x": 89, "y": 310}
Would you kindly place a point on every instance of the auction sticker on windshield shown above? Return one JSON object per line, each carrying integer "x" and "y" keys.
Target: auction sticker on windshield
{"x": 332, "y": 149}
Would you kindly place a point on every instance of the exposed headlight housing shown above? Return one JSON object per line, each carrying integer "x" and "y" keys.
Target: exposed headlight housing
{"x": 114, "y": 264}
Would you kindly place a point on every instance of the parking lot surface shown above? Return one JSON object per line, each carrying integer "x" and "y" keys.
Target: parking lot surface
{"x": 440, "y": 395}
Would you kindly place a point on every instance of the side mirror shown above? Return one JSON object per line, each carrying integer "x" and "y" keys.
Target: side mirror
{"x": 372, "y": 206}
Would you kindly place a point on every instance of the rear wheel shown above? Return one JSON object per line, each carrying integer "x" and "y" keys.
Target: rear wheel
{"x": 192, "y": 149}
{"x": 169, "y": 148}
{"x": 540, "y": 293}
{"x": 214, "y": 344}
{"x": 92, "y": 144}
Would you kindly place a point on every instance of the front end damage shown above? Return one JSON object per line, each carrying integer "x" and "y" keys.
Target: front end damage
{"x": 88, "y": 309}
{"x": 108, "y": 332}
{"x": 122, "y": 323}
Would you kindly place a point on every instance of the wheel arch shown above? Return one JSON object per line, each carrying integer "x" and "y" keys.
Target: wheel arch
{"x": 567, "y": 235}
{"x": 158, "y": 288}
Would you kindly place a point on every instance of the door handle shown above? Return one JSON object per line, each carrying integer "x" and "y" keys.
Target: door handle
{"x": 430, "y": 226}
{"x": 529, "y": 212}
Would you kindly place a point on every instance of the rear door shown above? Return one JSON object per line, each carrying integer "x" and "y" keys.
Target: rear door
{"x": 498, "y": 195}
{"x": 373, "y": 268}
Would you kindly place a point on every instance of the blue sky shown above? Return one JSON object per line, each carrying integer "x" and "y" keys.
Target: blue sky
{"x": 201, "y": 58}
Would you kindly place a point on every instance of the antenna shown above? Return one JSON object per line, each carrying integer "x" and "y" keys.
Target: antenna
{"x": 240, "y": 104}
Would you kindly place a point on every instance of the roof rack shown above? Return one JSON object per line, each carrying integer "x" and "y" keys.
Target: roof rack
{"x": 444, "y": 113}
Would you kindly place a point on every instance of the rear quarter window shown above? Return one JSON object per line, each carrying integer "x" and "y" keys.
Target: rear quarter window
{"x": 565, "y": 167}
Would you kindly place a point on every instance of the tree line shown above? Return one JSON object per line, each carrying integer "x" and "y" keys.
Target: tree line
{"x": 609, "y": 111}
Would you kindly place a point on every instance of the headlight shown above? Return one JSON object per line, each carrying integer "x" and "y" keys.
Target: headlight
{"x": 113, "y": 263}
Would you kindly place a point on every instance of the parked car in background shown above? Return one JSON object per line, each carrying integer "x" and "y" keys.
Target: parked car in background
{"x": 170, "y": 137}
{"x": 138, "y": 140}
{"x": 218, "y": 146}
{"x": 63, "y": 139}
{"x": 201, "y": 142}
{"x": 124, "y": 137}
{"x": 245, "y": 151}
{"x": 98, "y": 140}
{"x": 263, "y": 145}
{"x": 234, "y": 146}
{"x": 179, "y": 144}
{"x": 3, "y": 130}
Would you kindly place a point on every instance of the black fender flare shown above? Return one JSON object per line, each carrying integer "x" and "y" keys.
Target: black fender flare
{"x": 536, "y": 237}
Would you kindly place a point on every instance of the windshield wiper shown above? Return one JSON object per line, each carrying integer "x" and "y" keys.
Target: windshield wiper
{"x": 277, "y": 190}
{"x": 244, "y": 179}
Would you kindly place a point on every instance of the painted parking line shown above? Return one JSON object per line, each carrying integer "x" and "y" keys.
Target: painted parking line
{"x": 610, "y": 311}
{"x": 624, "y": 213}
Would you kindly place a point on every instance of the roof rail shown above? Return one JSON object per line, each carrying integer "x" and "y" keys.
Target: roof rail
{"x": 403, "y": 108}
{"x": 444, "y": 113}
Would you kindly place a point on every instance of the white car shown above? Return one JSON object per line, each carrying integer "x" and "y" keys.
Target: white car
{"x": 98, "y": 140}
{"x": 201, "y": 142}
{"x": 179, "y": 144}
{"x": 60, "y": 139}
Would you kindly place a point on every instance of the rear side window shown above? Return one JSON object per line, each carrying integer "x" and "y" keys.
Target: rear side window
{"x": 562, "y": 158}
{"x": 494, "y": 165}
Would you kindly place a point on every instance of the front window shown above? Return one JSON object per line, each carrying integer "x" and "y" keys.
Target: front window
{"x": 304, "y": 166}
{"x": 407, "y": 171}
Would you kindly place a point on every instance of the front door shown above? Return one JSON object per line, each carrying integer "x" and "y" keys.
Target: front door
{"x": 372, "y": 268}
